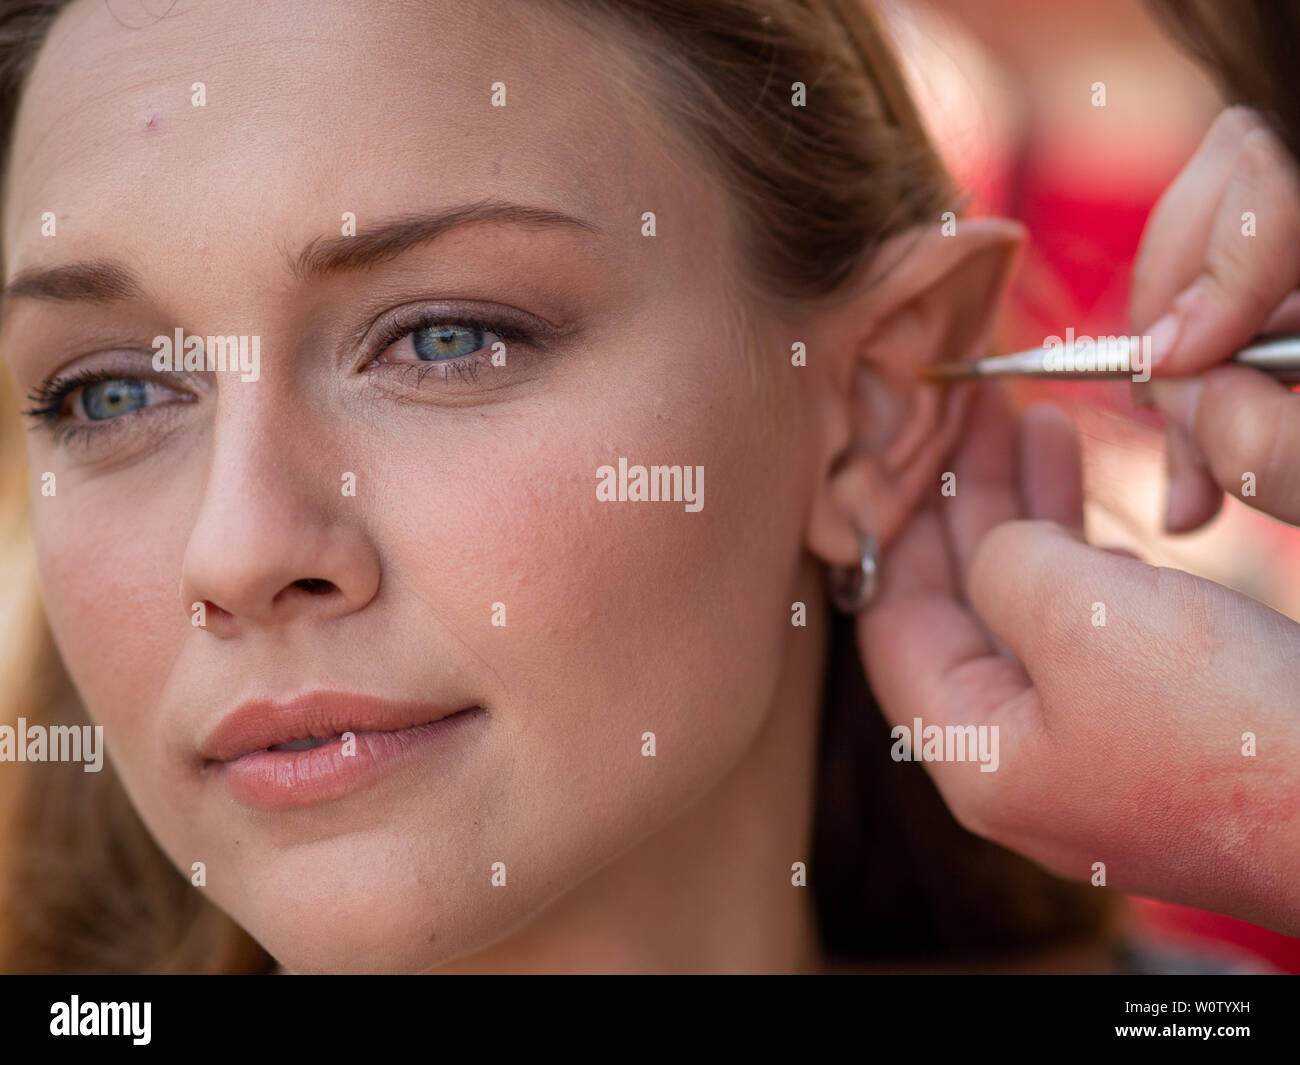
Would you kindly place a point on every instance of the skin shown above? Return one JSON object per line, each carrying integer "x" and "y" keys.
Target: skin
{"x": 1157, "y": 703}
{"x": 1218, "y": 289}
{"x": 621, "y": 618}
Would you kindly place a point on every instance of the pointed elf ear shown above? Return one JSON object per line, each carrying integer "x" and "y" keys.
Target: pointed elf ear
{"x": 929, "y": 296}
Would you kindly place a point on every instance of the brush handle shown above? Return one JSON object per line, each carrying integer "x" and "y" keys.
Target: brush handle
{"x": 1279, "y": 357}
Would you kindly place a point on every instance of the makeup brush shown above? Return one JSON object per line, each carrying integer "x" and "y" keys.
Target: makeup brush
{"x": 1277, "y": 356}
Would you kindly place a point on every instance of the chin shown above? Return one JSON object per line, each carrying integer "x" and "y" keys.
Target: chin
{"x": 356, "y": 904}
{"x": 383, "y": 929}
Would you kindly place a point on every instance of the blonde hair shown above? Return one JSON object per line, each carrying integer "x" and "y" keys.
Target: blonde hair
{"x": 815, "y": 191}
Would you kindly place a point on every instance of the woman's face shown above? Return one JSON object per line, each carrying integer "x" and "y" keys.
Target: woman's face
{"x": 383, "y": 512}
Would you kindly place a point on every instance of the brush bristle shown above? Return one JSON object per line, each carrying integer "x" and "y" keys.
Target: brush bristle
{"x": 948, "y": 371}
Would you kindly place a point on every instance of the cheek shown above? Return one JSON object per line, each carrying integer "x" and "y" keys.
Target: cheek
{"x": 110, "y": 575}
{"x": 621, "y": 617}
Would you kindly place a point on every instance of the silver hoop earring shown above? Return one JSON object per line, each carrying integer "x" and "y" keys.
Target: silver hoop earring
{"x": 852, "y": 589}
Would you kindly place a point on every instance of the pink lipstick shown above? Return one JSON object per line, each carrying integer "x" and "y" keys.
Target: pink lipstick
{"x": 275, "y": 756}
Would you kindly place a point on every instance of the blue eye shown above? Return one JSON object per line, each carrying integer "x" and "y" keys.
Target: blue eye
{"x": 441, "y": 342}
{"x": 111, "y": 398}
{"x": 88, "y": 405}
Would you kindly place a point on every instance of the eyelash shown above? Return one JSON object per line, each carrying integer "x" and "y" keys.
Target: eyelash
{"x": 49, "y": 398}
{"x": 417, "y": 321}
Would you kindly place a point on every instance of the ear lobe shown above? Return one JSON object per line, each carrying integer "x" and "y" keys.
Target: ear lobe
{"x": 927, "y": 297}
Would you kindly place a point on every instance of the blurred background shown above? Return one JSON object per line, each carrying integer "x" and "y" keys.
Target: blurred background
{"x": 1007, "y": 87}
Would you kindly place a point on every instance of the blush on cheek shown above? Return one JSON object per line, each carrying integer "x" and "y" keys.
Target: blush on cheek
{"x": 110, "y": 580}
{"x": 625, "y": 598}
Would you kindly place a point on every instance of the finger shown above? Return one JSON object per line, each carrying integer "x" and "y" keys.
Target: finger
{"x": 926, "y": 653}
{"x": 1251, "y": 266}
{"x": 1177, "y": 234}
{"x": 1248, "y": 428}
{"x": 1074, "y": 616}
{"x": 916, "y": 564}
{"x": 1104, "y": 637}
{"x": 1286, "y": 319}
{"x": 987, "y": 468}
{"x": 1194, "y": 496}
{"x": 1051, "y": 474}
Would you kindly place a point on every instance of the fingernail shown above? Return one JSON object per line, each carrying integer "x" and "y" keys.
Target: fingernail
{"x": 1193, "y": 496}
{"x": 1163, "y": 334}
{"x": 1174, "y": 508}
{"x": 1177, "y": 398}
{"x": 1178, "y": 459}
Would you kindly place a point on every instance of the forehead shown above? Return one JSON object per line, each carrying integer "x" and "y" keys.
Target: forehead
{"x": 312, "y": 110}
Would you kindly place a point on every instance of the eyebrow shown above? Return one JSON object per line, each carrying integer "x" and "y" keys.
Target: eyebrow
{"x": 107, "y": 281}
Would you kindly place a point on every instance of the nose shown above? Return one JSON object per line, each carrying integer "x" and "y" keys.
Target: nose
{"x": 275, "y": 541}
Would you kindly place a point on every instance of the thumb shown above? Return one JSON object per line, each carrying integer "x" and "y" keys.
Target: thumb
{"x": 1247, "y": 426}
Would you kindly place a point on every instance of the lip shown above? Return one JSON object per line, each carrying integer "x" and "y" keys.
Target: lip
{"x": 387, "y": 733}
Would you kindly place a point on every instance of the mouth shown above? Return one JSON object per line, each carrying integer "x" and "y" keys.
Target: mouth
{"x": 325, "y": 745}
{"x": 300, "y": 745}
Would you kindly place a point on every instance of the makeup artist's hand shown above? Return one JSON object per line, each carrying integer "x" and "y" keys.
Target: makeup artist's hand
{"x": 1122, "y": 693}
{"x": 1202, "y": 288}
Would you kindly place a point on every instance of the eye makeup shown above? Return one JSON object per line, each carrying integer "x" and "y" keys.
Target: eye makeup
{"x": 438, "y": 339}
{"x": 459, "y": 343}
{"x": 75, "y": 405}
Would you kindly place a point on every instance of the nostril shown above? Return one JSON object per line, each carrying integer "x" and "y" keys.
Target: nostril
{"x": 314, "y": 585}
